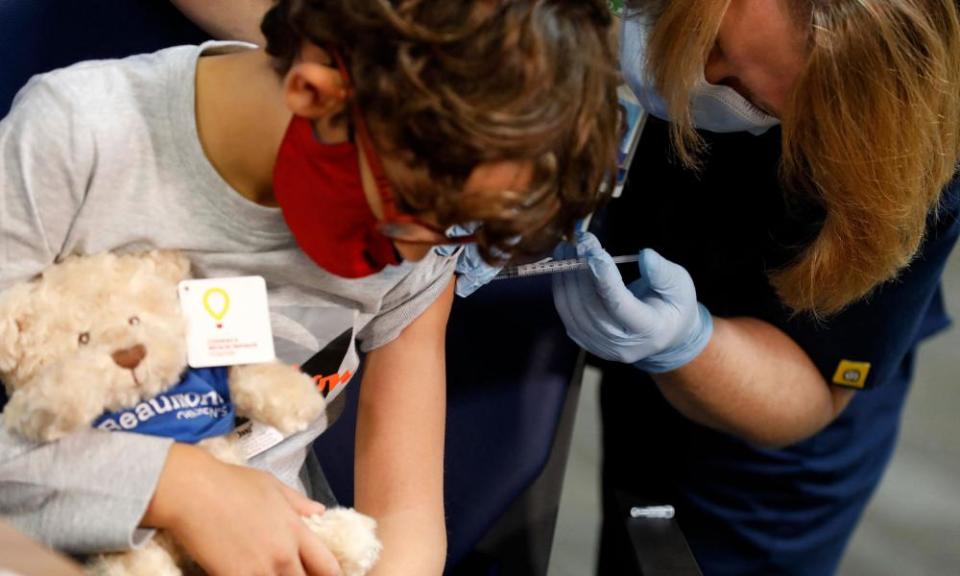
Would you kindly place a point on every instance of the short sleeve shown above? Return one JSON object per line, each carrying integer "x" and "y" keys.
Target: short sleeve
{"x": 46, "y": 160}
{"x": 865, "y": 344}
{"x": 409, "y": 299}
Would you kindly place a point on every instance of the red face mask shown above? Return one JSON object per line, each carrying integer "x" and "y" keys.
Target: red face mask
{"x": 320, "y": 191}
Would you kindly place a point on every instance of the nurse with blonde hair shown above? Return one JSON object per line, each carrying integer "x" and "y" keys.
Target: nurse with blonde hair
{"x": 793, "y": 209}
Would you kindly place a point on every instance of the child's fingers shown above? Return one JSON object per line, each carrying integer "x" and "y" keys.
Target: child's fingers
{"x": 301, "y": 504}
{"x": 317, "y": 559}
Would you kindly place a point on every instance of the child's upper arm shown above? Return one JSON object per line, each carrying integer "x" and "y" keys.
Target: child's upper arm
{"x": 409, "y": 299}
{"x": 46, "y": 161}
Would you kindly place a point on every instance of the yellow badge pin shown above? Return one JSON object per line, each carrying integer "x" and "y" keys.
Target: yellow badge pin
{"x": 852, "y": 374}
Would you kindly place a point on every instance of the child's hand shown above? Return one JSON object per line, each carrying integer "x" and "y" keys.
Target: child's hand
{"x": 235, "y": 520}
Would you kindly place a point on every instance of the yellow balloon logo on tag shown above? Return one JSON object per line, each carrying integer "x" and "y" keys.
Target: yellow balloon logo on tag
{"x": 216, "y": 302}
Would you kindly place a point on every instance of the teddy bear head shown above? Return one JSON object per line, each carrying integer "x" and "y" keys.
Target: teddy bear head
{"x": 91, "y": 333}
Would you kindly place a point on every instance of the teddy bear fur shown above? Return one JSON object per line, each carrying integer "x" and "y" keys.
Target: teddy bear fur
{"x": 66, "y": 343}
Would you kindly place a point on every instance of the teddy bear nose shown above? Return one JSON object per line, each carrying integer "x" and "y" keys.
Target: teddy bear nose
{"x": 130, "y": 357}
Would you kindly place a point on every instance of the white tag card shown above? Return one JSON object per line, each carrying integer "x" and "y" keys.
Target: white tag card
{"x": 228, "y": 321}
{"x": 254, "y": 438}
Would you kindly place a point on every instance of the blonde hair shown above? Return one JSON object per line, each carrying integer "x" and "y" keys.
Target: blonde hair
{"x": 871, "y": 131}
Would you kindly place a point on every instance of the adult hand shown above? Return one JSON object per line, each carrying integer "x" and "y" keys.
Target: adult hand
{"x": 236, "y": 521}
{"x": 654, "y": 323}
{"x": 472, "y": 271}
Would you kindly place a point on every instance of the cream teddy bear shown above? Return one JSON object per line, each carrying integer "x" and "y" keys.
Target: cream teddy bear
{"x": 101, "y": 339}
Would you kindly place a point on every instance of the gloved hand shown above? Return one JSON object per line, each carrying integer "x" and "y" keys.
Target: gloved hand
{"x": 654, "y": 323}
{"x": 472, "y": 271}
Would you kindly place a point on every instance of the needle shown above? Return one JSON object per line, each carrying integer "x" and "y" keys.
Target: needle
{"x": 555, "y": 266}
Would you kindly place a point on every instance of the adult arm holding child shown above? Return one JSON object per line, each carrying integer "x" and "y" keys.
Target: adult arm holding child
{"x": 227, "y": 19}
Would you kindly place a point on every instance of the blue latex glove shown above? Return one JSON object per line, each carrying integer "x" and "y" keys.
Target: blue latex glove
{"x": 472, "y": 271}
{"x": 655, "y": 323}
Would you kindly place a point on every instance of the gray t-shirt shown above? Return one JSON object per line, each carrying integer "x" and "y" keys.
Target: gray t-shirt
{"x": 105, "y": 155}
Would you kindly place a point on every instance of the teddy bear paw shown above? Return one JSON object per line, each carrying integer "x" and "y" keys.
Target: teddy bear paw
{"x": 350, "y": 536}
{"x": 277, "y": 395}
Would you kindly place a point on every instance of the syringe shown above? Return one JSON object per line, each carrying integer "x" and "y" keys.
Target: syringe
{"x": 554, "y": 266}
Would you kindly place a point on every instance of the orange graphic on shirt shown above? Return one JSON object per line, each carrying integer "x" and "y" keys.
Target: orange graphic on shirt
{"x": 326, "y": 384}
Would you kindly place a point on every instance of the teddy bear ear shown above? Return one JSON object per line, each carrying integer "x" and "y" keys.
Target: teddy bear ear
{"x": 170, "y": 264}
{"x": 14, "y": 308}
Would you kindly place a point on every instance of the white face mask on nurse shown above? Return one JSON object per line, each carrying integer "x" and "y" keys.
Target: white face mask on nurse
{"x": 749, "y": 73}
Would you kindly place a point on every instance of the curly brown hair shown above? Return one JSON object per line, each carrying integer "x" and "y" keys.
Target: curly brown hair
{"x": 450, "y": 84}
